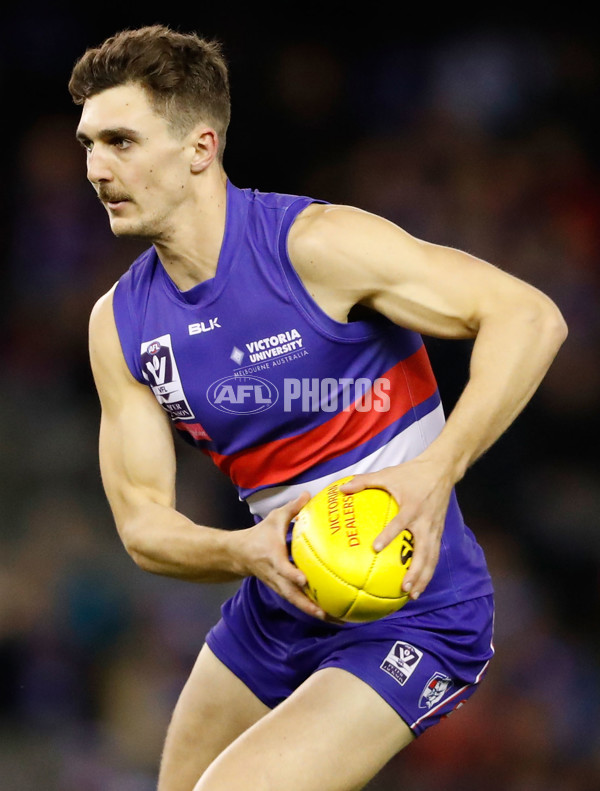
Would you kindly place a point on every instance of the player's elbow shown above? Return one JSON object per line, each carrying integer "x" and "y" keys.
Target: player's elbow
{"x": 141, "y": 560}
{"x": 144, "y": 560}
{"x": 547, "y": 321}
{"x": 560, "y": 328}
{"x": 131, "y": 538}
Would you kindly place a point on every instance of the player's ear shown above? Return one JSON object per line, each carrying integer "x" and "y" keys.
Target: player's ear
{"x": 206, "y": 146}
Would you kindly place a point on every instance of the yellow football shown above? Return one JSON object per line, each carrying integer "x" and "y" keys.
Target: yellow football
{"x": 332, "y": 543}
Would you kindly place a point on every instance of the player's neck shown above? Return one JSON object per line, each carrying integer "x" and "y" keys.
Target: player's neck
{"x": 190, "y": 251}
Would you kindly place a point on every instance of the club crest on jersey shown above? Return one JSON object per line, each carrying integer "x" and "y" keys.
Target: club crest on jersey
{"x": 434, "y": 690}
{"x": 401, "y": 661}
{"x": 159, "y": 369}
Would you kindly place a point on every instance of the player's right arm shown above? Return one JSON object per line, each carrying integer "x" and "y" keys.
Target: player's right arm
{"x": 137, "y": 464}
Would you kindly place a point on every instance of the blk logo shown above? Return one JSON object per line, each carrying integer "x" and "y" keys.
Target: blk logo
{"x": 204, "y": 326}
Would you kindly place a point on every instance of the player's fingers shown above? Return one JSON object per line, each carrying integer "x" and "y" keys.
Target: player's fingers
{"x": 421, "y": 568}
{"x": 293, "y": 574}
{"x": 291, "y": 509}
{"x": 389, "y": 533}
{"x": 295, "y": 596}
{"x": 358, "y": 483}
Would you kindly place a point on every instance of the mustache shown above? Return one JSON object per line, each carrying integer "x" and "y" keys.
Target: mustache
{"x": 106, "y": 196}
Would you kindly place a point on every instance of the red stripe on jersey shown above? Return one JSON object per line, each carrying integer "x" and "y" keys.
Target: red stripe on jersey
{"x": 195, "y": 429}
{"x": 411, "y": 381}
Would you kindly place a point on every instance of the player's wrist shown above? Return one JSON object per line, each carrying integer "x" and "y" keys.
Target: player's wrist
{"x": 451, "y": 461}
{"x": 233, "y": 553}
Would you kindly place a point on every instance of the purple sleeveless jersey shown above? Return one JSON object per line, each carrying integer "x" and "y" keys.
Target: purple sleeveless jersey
{"x": 282, "y": 397}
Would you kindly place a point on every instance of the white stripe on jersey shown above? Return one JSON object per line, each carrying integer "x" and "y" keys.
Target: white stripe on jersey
{"x": 404, "y": 446}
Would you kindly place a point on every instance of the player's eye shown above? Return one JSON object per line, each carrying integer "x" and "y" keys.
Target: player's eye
{"x": 121, "y": 143}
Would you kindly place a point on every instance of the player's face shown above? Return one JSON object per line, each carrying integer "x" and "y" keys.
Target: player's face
{"x": 138, "y": 167}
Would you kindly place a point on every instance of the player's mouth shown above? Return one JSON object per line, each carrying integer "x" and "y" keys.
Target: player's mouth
{"x": 116, "y": 205}
{"x": 113, "y": 202}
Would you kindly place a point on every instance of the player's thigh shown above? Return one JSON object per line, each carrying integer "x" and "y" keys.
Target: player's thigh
{"x": 333, "y": 734}
{"x": 213, "y": 709}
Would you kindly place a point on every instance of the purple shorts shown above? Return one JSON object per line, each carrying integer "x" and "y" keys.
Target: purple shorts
{"x": 424, "y": 666}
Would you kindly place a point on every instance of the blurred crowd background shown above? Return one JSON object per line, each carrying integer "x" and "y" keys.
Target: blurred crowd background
{"x": 482, "y": 137}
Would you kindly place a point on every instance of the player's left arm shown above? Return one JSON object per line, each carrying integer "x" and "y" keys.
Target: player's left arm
{"x": 345, "y": 257}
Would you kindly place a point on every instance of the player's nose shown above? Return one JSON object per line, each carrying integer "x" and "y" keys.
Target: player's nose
{"x": 97, "y": 167}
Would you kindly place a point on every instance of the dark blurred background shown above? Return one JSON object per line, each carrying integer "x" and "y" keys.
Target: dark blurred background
{"x": 482, "y": 136}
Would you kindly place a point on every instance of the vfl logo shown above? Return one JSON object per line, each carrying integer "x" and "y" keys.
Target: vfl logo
{"x": 434, "y": 690}
{"x": 401, "y": 661}
{"x": 242, "y": 395}
{"x": 159, "y": 369}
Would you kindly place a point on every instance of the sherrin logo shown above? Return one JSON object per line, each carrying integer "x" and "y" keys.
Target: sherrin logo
{"x": 242, "y": 395}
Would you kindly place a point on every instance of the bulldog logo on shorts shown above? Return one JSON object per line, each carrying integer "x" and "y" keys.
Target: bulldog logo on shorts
{"x": 434, "y": 690}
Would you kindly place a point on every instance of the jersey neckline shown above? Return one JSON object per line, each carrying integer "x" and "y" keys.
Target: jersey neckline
{"x": 208, "y": 290}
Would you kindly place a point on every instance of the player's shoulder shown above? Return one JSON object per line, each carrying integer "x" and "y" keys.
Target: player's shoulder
{"x": 102, "y": 311}
{"x": 326, "y": 225}
{"x": 323, "y": 217}
{"x": 106, "y": 354}
{"x": 132, "y": 280}
{"x": 331, "y": 239}
{"x": 102, "y": 332}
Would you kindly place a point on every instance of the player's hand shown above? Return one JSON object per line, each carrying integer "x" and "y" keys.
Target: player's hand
{"x": 422, "y": 492}
{"x": 265, "y": 555}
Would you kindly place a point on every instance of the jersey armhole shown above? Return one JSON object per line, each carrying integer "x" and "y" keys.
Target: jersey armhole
{"x": 350, "y": 331}
{"x": 127, "y": 327}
